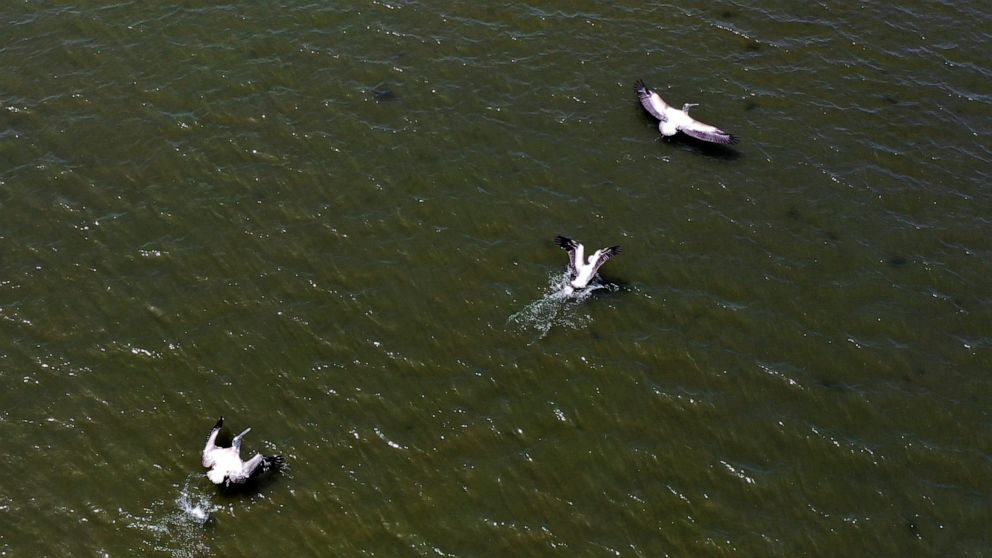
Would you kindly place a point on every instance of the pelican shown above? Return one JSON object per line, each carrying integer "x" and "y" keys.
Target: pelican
{"x": 674, "y": 120}
{"x": 225, "y": 464}
{"x": 584, "y": 271}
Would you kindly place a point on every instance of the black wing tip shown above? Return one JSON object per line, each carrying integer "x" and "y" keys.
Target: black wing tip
{"x": 612, "y": 251}
{"x": 219, "y": 423}
{"x": 271, "y": 463}
{"x": 721, "y": 140}
{"x": 564, "y": 242}
{"x": 720, "y": 137}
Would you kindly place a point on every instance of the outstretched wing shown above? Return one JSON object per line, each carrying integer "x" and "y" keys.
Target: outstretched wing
{"x": 236, "y": 442}
{"x": 211, "y": 445}
{"x": 605, "y": 254}
{"x": 650, "y": 100}
{"x": 574, "y": 250}
{"x": 708, "y": 133}
{"x": 260, "y": 464}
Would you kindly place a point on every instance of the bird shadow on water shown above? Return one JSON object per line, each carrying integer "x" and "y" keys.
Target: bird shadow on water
{"x": 178, "y": 528}
{"x": 560, "y": 306}
{"x": 713, "y": 150}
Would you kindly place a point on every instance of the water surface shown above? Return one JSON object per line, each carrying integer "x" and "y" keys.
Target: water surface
{"x": 334, "y": 224}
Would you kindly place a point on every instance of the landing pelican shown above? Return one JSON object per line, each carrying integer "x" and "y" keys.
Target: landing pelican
{"x": 225, "y": 464}
{"x": 674, "y": 120}
{"x": 584, "y": 271}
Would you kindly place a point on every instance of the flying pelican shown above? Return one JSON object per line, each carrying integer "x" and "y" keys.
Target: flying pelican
{"x": 584, "y": 271}
{"x": 225, "y": 464}
{"x": 674, "y": 120}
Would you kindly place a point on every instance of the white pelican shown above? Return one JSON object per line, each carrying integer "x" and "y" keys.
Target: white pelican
{"x": 584, "y": 271}
{"x": 225, "y": 464}
{"x": 674, "y": 120}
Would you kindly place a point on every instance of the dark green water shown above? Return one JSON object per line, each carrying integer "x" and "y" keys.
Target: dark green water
{"x": 333, "y": 224}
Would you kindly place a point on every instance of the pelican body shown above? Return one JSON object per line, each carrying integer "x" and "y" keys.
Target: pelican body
{"x": 673, "y": 120}
{"x": 225, "y": 464}
{"x": 582, "y": 271}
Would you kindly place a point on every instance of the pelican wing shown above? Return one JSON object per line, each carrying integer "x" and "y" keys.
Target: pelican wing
{"x": 650, "y": 100}
{"x": 605, "y": 254}
{"x": 236, "y": 442}
{"x": 208, "y": 457}
{"x": 211, "y": 445}
{"x": 571, "y": 247}
{"x": 258, "y": 465}
{"x": 708, "y": 133}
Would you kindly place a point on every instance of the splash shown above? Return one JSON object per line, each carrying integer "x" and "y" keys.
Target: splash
{"x": 197, "y": 510}
{"x": 177, "y": 529}
{"x": 558, "y": 307}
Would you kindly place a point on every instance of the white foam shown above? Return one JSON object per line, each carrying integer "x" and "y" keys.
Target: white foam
{"x": 559, "y": 306}
{"x": 177, "y": 528}
{"x": 198, "y": 510}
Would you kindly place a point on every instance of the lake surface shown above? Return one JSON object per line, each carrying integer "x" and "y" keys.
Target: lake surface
{"x": 334, "y": 224}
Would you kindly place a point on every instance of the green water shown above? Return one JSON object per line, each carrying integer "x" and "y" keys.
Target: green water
{"x": 334, "y": 224}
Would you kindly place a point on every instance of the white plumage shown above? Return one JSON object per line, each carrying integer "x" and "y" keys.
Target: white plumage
{"x": 584, "y": 270}
{"x": 673, "y": 120}
{"x": 225, "y": 464}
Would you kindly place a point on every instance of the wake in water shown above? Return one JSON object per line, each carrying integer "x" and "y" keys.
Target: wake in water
{"x": 558, "y": 307}
{"x": 179, "y": 528}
